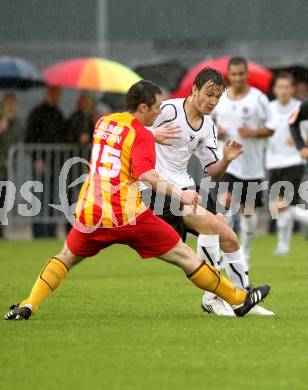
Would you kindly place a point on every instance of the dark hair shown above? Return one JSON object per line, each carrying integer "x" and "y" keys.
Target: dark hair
{"x": 286, "y": 76}
{"x": 237, "y": 61}
{"x": 143, "y": 91}
{"x": 209, "y": 74}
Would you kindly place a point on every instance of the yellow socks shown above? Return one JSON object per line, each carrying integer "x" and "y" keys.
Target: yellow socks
{"x": 49, "y": 279}
{"x": 209, "y": 278}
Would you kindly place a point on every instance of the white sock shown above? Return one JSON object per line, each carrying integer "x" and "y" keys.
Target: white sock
{"x": 248, "y": 228}
{"x": 236, "y": 268}
{"x": 300, "y": 215}
{"x": 285, "y": 227}
{"x": 208, "y": 250}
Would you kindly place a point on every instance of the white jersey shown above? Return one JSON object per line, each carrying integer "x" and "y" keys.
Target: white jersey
{"x": 251, "y": 111}
{"x": 171, "y": 161}
{"x": 279, "y": 153}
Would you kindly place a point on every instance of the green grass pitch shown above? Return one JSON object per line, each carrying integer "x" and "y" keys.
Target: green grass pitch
{"x": 118, "y": 322}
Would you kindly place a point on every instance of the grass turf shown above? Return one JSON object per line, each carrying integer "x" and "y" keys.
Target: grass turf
{"x": 121, "y": 323}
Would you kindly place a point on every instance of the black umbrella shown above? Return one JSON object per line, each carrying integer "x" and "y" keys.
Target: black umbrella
{"x": 167, "y": 74}
{"x": 18, "y": 73}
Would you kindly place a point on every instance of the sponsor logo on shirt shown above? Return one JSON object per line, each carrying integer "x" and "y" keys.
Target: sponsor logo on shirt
{"x": 107, "y": 131}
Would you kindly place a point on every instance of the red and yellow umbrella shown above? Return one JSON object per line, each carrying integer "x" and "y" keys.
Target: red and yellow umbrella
{"x": 91, "y": 73}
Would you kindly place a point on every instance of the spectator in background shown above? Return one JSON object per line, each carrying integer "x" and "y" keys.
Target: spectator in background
{"x": 10, "y": 133}
{"x": 79, "y": 130}
{"x": 45, "y": 124}
{"x": 80, "y": 125}
{"x": 301, "y": 90}
{"x": 283, "y": 160}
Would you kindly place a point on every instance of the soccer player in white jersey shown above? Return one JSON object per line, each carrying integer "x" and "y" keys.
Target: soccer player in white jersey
{"x": 199, "y": 137}
{"x": 283, "y": 161}
{"x": 243, "y": 113}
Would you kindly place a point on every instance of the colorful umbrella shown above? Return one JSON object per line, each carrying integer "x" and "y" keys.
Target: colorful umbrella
{"x": 258, "y": 76}
{"x": 18, "y": 73}
{"x": 92, "y": 74}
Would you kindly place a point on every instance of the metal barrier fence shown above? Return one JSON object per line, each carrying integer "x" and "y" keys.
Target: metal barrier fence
{"x": 34, "y": 170}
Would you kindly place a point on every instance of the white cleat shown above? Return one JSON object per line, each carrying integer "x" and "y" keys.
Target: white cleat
{"x": 281, "y": 250}
{"x": 216, "y": 305}
{"x": 260, "y": 311}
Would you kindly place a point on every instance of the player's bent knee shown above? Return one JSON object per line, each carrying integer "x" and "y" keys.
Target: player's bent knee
{"x": 182, "y": 256}
{"x": 232, "y": 240}
{"x": 208, "y": 224}
{"x": 228, "y": 239}
{"x": 67, "y": 257}
{"x": 222, "y": 219}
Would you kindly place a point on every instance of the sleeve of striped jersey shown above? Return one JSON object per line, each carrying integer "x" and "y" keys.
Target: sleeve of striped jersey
{"x": 143, "y": 153}
{"x": 168, "y": 114}
{"x": 265, "y": 112}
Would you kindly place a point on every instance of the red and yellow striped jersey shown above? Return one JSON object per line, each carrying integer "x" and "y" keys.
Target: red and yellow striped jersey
{"x": 122, "y": 150}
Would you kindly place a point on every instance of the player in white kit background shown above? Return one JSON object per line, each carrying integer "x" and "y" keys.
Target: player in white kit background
{"x": 199, "y": 137}
{"x": 283, "y": 161}
{"x": 243, "y": 114}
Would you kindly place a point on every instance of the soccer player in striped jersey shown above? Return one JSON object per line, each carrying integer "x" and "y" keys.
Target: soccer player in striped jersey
{"x": 110, "y": 209}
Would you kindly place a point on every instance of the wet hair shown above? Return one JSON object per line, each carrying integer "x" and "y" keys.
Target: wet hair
{"x": 143, "y": 91}
{"x": 209, "y": 74}
{"x": 237, "y": 61}
{"x": 285, "y": 76}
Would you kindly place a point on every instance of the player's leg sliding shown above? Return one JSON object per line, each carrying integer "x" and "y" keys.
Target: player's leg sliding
{"x": 236, "y": 268}
{"x": 208, "y": 278}
{"x": 48, "y": 280}
{"x": 237, "y": 272}
{"x": 213, "y": 234}
{"x": 208, "y": 249}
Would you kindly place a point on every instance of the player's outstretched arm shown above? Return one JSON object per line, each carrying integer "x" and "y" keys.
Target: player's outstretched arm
{"x": 159, "y": 184}
{"x": 166, "y": 133}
